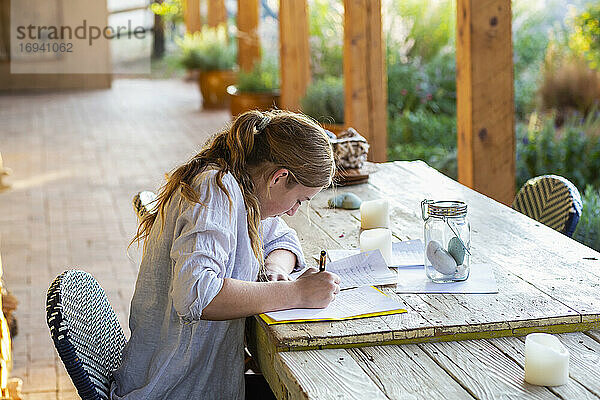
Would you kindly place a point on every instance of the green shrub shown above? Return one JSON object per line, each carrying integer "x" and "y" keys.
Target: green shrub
{"x": 403, "y": 80}
{"x": 588, "y": 228}
{"x": 526, "y": 88}
{"x": 426, "y": 136}
{"x": 424, "y": 128}
{"x": 430, "y": 87}
{"x": 207, "y": 50}
{"x": 324, "y": 100}
{"x": 326, "y": 38}
{"x": 531, "y": 28}
{"x": 573, "y": 151}
{"x": 264, "y": 77}
{"x": 440, "y": 158}
{"x": 421, "y": 66}
{"x": 429, "y": 24}
{"x": 441, "y": 83}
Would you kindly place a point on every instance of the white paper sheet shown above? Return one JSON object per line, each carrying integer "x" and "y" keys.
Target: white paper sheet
{"x": 404, "y": 254}
{"x": 408, "y": 253}
{"x": 347, "y": 304}
{"x": 337, "y": 254}
{"x": 362, "y": 269}
{"x": 414, "y": 280}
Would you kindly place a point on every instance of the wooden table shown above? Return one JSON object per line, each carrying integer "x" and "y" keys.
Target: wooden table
{"x": 547, "y": 283}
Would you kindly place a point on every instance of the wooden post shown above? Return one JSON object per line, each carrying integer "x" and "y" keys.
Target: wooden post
{"x": 216, "y": 13}
{"x": 294, "y": 52}
{"x": 485, "y": 98}
{"x": 248, "y": 41}
{"x": 365, "y": 78}
{"x": 191, "y": 16}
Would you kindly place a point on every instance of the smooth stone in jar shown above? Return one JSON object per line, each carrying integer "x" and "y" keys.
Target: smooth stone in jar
{"x": 440, "y": 259}
{"x": 456, "y": 250}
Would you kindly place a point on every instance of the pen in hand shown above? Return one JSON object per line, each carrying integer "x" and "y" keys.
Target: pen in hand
{"x": 322, "y": 260}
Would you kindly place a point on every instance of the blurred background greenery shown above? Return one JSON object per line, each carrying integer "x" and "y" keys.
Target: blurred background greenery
{"x": 556, "y": 47}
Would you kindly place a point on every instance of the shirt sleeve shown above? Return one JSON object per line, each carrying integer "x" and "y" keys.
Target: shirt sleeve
{"x": 203, "y": 241}
{"x": 277, "y": 235}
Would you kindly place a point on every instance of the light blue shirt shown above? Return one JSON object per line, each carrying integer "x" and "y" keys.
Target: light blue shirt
{"x": 172, "y": 353}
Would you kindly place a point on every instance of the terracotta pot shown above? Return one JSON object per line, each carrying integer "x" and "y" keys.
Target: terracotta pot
{"x": 213, "y": 86}
{"x": 242, "y": 102}
{"x": 335, "y": 128}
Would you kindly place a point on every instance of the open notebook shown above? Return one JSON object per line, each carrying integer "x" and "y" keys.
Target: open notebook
{"x": 365, "y": 301}
{"x": 357, "y": 298}
{"x": 362, "y": 269}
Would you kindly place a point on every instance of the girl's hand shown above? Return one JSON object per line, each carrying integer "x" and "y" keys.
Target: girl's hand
{"x": 316, "y": 289}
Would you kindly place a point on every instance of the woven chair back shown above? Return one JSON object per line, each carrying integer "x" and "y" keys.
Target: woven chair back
{"x": 86, "y": 332}
{"x": 551, "y": 200}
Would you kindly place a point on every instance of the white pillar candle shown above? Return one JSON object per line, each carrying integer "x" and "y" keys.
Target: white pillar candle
{"x": 546, "y": 360}
{"x": 378, "y": 238}
{"x": 374, "y": 214}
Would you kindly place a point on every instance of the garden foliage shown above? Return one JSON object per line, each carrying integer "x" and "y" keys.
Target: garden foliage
{"x": 326, "y": 38}
{"x": 324, "y": 100}
{"x": 421, "y": 71}
{"x": 563, "y": 139}
{"x": 588, "y": 228}
{"x": 556, "y": 94}
{"x": 264, "y": 77}
{"x": 586, "y": 34}
{"x": 208, "y": 50}
{"x": 169, "y": 10}
{"x": 573, "y": 151}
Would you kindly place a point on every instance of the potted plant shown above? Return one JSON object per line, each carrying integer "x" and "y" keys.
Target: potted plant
{"x": 257, "y": 89}
{"x": 324, "y": 101}
{"x": 213, "y": 55}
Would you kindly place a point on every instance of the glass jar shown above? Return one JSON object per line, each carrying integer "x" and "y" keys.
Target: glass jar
{"x": 447, "y": 238}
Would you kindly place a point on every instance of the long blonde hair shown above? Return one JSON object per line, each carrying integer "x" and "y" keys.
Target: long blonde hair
{"x": 260, "y": 141}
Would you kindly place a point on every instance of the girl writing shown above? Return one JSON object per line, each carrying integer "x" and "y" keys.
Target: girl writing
{"x": 214, "y": 233}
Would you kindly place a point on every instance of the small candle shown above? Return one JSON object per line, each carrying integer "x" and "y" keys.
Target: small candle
{"x": 374, "y": 214}
{"x": 378, "y": 238}
{"x": 546, "y": 360}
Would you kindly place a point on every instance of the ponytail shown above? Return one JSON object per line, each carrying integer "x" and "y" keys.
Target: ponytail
{"x": 266, "y": 141}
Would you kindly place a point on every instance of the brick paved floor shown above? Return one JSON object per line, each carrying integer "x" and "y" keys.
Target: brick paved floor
{"x": 78, "y": 158}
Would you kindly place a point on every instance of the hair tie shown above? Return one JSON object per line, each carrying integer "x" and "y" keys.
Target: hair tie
{"x": 262, "y": 124}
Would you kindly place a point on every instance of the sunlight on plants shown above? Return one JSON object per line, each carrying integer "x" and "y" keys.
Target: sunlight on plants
{"x": 208, "y": 50}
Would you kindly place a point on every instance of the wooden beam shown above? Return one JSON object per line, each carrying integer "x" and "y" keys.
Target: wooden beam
{"x": 365, "y": 80}
{"x": 216, "y": 13}
{"x": 294, "y": 52}
{"x": 191, "y": 16}
{"x": 248, "y": 41}
{"x": 485, "y": 98}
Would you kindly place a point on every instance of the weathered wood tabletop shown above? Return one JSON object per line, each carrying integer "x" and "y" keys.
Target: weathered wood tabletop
{"x": 547, "y": 283}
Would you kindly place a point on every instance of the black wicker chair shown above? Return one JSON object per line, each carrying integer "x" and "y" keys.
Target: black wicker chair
{"x": 551, "y": 200}
{"x": 85, "y": 331}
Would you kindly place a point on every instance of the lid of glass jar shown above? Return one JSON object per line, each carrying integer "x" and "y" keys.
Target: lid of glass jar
{"x": 443, "y": 209}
